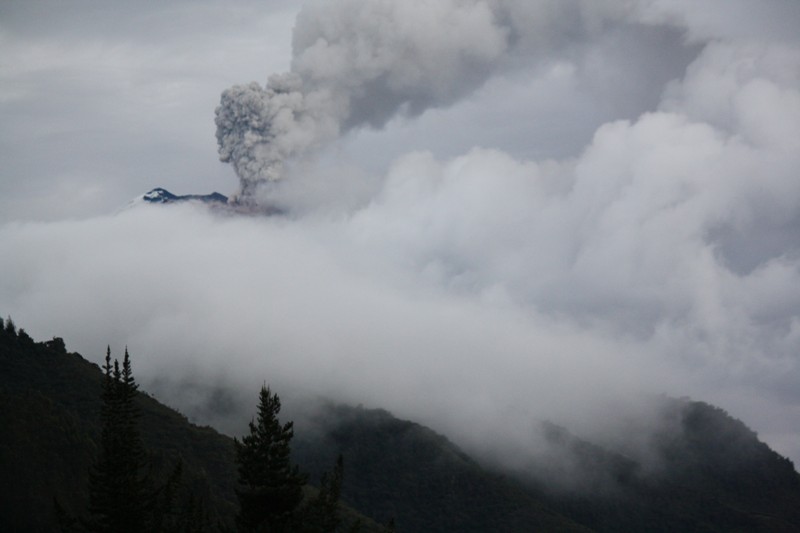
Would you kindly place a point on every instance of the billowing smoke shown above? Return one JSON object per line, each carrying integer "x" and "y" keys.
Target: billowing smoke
{"x": 362, "y": 62}
{"x": 355, "y": 62}
{"x": 259, "y": 129}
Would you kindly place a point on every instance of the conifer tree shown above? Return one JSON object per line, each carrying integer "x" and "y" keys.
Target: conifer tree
{"x": 10, "y": 327}
{"x": 270, "y": 487}
{"x": 120, "y": 496}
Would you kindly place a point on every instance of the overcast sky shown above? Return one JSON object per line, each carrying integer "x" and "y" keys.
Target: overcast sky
{"x": 497, "y": 210}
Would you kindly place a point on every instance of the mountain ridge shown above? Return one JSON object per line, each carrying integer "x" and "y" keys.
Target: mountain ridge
{"x": 215, "y": 201}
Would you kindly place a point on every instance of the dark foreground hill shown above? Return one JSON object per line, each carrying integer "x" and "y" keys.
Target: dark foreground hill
{"x": 49, "y": 412}
{"x": 707, "y": 472}
{"x": 50, "y": 419}
{"x": 715, "y": 476}
{"x": 50, "y": 402}
{"x": 400, "y": 469}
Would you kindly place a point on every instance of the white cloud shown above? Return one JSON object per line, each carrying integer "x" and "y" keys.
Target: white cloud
{"x": 654, "y": 249}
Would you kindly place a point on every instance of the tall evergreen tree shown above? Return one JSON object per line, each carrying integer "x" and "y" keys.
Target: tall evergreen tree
{"x": 270, "y": 486}
{"x": 120, "y": 494}
{"x": 123, "y": 498}
{"x": 9, "y": 326}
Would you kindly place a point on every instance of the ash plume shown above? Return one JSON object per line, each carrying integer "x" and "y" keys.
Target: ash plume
{"x": 360, "y": 63}
{"x": 259, "y": 128}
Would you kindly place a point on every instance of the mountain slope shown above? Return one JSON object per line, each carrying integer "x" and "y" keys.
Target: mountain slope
{"x": 396, "y": 468}
{"x": 51, "y": 406}
{"x": 705, "y": 472}
{"x": 49, "y": 412}
{"x": 714, "y": 474}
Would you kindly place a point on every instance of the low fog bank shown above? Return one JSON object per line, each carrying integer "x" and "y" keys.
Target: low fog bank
{"x": 211, "y": 306}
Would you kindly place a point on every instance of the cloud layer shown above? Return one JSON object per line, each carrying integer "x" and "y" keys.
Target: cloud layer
{"x": 475, "y": 288}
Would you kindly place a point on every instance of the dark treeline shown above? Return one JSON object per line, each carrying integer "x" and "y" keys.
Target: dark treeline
{"x": 75, "y": 433}
{"x": 126, "y": 487}
{"x": 124, "y": 497}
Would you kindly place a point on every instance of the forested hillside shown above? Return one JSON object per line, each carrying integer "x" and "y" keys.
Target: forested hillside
{"x": 715, "y": 474}
{"x": 401, "y": 469}
{"x": 51, "y": 418}
{"x": 708, "y": 472}
{"x": 51, "y": 403}
{"x": 50, "y": 411}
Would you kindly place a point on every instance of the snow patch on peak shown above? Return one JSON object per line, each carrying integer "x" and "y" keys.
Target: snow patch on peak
{"x": 163, "y": 196}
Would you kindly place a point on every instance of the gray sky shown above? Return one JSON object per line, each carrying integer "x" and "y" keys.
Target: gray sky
{"x": 499, "y": 210}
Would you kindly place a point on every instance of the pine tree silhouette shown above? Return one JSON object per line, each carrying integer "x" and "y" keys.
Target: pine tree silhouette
{"x": 120, "y": 493}
{"x": 270, "y": 487}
